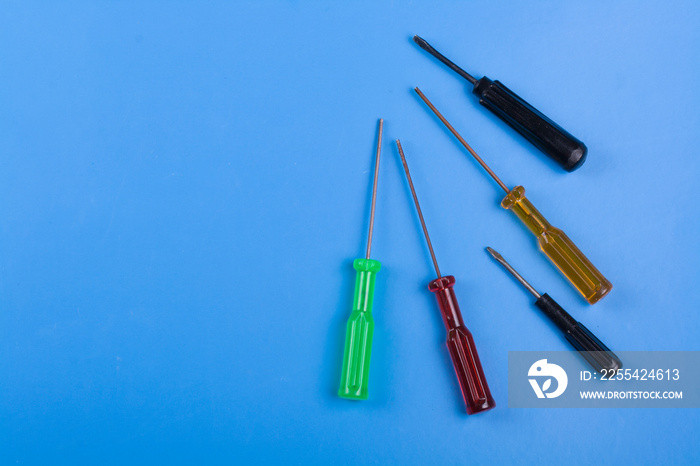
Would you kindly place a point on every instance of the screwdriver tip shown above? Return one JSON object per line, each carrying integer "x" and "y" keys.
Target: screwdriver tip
{"x": 494, "y": 253}
{"x": 420, "y": 94}
{"x": 499, "y": 258}
{"x": 398, "y": 145}
{"x": 429, "y": 48}
{"x": 420, "y": 41}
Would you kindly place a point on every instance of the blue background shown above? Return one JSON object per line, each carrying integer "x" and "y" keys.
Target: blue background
{"x": 184, "y": 186}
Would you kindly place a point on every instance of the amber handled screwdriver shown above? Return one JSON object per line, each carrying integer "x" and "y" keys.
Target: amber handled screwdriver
{"x": 579, "y": 337}
{"x": 552, "y": 241}
{"x": 542, "y": 132}
{"x": 460, "y": 342}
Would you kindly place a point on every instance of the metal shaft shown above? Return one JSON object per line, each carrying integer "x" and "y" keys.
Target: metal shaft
{"x": 461, "y": 139}
{"x": 420, "y": 213}
{"x": 512, "y": 271}
{"x": 429, "y": 48}
{"x": 374, "y": 187}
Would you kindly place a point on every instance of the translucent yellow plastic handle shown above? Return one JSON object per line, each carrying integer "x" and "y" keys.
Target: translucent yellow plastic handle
{"x": 559, "y": 248}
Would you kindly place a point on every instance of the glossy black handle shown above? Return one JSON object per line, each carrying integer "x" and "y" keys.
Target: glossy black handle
{"x": 591, "y": 348}
{"x": 547, "y": 136}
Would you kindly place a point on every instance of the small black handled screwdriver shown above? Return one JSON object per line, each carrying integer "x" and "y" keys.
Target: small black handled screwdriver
{"x": 546, "y": 135}
{"x": 591, "y": 348}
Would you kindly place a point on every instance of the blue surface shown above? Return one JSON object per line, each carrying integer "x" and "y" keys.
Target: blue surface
{"x": 183, "y": 189}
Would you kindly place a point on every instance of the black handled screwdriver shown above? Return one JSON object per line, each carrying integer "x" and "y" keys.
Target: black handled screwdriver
{"x": 546, "y": 135}
{"x": 591, "y": 348}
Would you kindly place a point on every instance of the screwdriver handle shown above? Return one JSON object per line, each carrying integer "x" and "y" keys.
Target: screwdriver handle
{"x": 547, "y": 136}
{"x": 591, "y": 348}
{"x": 460, "y": 344}
{"x": 358, "y": 336}
{"x": 559, "y": 248}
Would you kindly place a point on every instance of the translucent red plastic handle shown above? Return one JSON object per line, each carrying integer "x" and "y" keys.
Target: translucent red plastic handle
{"x": 460, "y": 343}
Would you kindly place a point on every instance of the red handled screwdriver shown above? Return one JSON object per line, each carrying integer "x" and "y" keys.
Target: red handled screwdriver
{"x": 460, "y": 342}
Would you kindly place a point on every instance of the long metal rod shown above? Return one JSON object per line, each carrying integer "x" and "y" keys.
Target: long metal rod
{"x": 461, "y": 139}
{"x": 429, "y": 48}
{"x": 512, "y": 271}
{"x": 374, "y": 187}
{"x": 420, "y": 213}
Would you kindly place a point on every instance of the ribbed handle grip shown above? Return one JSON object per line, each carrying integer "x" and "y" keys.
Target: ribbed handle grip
{"x": 591, "y": 348}
{"x": 358, "y": 337}
{"x": 546, "y": 135}
{"x": 460, "y": 344}
{"x": 559, "y": 248}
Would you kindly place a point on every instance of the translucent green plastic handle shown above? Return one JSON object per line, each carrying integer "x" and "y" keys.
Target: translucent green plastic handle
{"x": 358, "y": 337}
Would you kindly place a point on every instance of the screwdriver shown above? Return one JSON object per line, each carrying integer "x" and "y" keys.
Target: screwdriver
{"x": 547, "y": 136}
{"x": 552, "y": 241}
{"x": 360, "y": 328}
{"x": 460, "y": 342}
{"x": 591, "y": 348}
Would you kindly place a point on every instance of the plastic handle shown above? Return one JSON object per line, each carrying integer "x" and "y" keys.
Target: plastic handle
{"x": 592, "y": 349}
{"x": 358, "y": 336}
{"x": 559, "y": 248}
{"x": 460, "y": 344}
{"x": 547, "y": 136}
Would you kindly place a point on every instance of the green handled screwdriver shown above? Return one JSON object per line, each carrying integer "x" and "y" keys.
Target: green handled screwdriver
{"x": 358, "y": 336}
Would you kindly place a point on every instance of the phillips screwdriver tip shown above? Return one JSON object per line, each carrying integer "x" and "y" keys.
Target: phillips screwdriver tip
{"x": 499, "y": 258}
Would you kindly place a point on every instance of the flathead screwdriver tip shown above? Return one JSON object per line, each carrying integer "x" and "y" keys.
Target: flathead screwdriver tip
{"x": 494, "y": 253}
{"x": 429, "y": 48}
{"x": 420, "y": 41}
